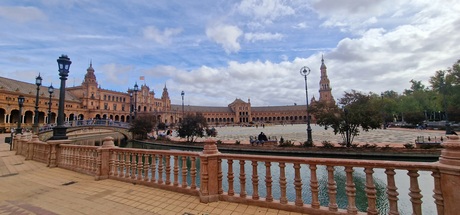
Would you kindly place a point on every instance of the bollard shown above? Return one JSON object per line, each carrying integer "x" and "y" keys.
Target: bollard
{"x": 209, "y": 184}
{"x": 449, "y": 168}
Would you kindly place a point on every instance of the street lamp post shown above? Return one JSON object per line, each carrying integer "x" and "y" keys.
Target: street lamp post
{"x": 50, "y": 91}
{"x": 182, "y": 94}
{"x": 136, "y": 88}
{"x": 383, "y": 112}
{"x": 38, "y": 82}
{"x": 21, "y": 104}
{"x": 130, "y": 105}
{"x": 60, "y": 131}
{"x": 305, "y": 71}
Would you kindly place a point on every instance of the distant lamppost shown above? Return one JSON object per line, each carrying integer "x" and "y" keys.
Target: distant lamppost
{"x": 182, "y": 94}
{"x": 130, "y": 105}
{"x": 444, "y": 85}
{"x": 136, "y": 88}
{"x": 21, "y": 104}
{"x": 50, "y": 91}
{"x": 305, "y": 71}
{"x": 347, "y": 128}
{"x": 60, "y": 131}
{"x": 38, "y": 82}
{"x": 383, "y": 112}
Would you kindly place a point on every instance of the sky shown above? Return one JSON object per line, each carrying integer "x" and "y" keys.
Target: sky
{"x": 218, "y": 50}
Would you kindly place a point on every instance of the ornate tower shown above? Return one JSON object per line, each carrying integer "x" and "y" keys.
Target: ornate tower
{"x": 165, "y": 98}
{"x": 325, "y": 91}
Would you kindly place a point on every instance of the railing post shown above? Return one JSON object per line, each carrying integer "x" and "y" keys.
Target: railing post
{"x": 103, "y": 161}
{"x": 54, "y": 153}
{"x": 30, "y": 147}
{"x": 449, "y": 168}
{"x": 209, "y": 186}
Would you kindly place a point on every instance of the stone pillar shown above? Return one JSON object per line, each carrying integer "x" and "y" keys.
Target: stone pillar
{"x": 15, "y": 140}
{"x": 22, "y": 146}
{"x": 209, "y": 172}
{"x": 103, "y": 160}
{"x": 449, "y": 168}
{"x": 30, "y": 147}
{"x": 54, "y": 153}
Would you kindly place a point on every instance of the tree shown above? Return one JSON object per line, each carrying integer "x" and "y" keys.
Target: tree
{"x": 142, "y": 125}
{"x": 192, "y": 127}
{"x": 357, "y": 112}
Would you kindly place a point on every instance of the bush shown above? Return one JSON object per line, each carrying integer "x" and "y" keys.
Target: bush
{"x": 327, "y": 144}
{"x": 369, "y": 146}
{"x": 308, "y": 144}
{"x": 281, "y": 140}
{"x": 237, "y": 142}
{"x": 409, "y": 146}
{"x": 354, "y": 145}
{"x": 387, "y": 146}
{"x": 287, "y": 143}
{"x": 218, "y": 142}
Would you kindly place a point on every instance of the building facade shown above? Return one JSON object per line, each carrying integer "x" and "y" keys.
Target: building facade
{"x": 90, "y": 101}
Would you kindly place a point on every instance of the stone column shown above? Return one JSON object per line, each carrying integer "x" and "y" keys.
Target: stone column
{"x": 209, "y": 172}
{"x": 103, "y": 160}
{"x": 54, "y": 153}
{"x": 449, "y": 168}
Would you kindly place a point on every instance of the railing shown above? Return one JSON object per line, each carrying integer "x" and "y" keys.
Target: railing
{"x": 251, "y": 179}
{"x": 88, "y": 122}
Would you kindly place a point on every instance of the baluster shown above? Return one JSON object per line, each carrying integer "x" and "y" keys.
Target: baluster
{"x": 255, "y": 181}
{"x": 391, "y": 191}
{"x": 283, "y": 183}
{"x": 140, "y": 167}
{"x": 204, "y": 176}
{"x": 127, "y": 165}
{"x": 154, "y": 168}
{"x": 160, "y": 169}
{"x": 98, "y": 161}
{"x": 219, "y": 176}
{"x": 242, "y": 180}
{"x": 438, "y": 199}
{"x": 176, "y": 171}
{"x": 117, "y": 164}
{"x": 332, "y": 189}
{"x": 268, "y": 181}
{"x": 168, "y": 169}
{"x": 111, "y": 163}
{"x": 184, "y": 171}
{"x": 146, "y": 158}
{"x": 370, "y": 192}
{"x": 351, "y": 191}
{"x": 231, "y": 190}
{"x": 415, "y": 196}
{"x": 314, "y": 187}
{"x": 133, "y": 165}
{"x": 193, "y": 173}
{"x": 298, "y": 185}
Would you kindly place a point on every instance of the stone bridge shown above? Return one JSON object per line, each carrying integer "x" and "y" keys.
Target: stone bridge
{"x": 87, "y": 127}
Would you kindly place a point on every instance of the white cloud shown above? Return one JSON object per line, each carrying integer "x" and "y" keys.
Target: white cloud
{"x": 22, "y": 14}
{"x": 161, "y": 37}
{"x": 225, "y": 35}
{"x": 265, "y": 10}
{"x": 253, "y": 37}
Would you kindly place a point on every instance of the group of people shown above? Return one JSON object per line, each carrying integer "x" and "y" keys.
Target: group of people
{"x": 261, "y": 138}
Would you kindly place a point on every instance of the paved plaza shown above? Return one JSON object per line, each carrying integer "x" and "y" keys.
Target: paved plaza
{"x": 396, "y": 137}
{"x": 29, "y": 187}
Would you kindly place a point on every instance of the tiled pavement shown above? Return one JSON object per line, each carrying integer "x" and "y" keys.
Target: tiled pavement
{"x": 29, "y": 187}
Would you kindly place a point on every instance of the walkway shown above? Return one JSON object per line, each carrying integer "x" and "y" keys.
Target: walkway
{"x": 29, "y": 187}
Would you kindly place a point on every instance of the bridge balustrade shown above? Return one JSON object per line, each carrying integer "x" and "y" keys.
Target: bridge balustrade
{"x": 212, "y": 176}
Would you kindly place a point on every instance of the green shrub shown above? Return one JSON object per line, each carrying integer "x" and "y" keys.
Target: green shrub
{"x": 327, "y": 144}
{"x": 354, "y": 145}
{"x": 409, "y": 146}
{"x": 369, "y": 146}
{"x": 387, "y": 146}
{"x": 308, "y": 144}
{"x": 237, "y": 142}
{"x": 218, "y": 142}
{"x": 281, "y": 140}
{"x": 287, "y": 143}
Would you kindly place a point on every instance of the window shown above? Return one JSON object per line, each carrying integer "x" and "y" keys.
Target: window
{"x": 106, "y": 106}
{"x": 114, "y": 106}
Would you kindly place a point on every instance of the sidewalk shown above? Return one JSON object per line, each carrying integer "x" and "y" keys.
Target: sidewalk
{"x": 29, "y": 187}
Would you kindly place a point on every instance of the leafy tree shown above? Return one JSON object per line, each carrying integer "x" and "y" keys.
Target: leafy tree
{"x": 192, "y": 127}
{"x": 357, "y": 112}
{"x": 142, "y": 125}
{"x": 161, "y": 126}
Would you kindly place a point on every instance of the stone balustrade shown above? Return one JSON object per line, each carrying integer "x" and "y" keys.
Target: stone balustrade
{"x": 252, "y": 179}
